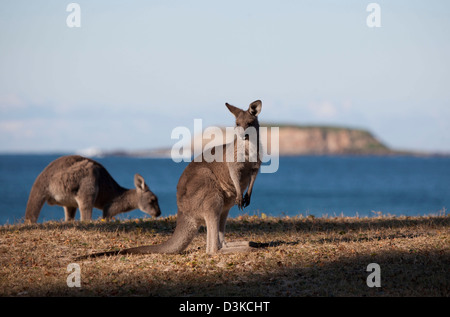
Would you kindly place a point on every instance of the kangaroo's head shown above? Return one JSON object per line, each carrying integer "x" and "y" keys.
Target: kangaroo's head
{"x": 247, "y": 118}
{"x": 147, "y": 201}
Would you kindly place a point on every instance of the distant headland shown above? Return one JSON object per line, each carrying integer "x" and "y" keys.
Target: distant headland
{"x": 327, "y": 140}
{"x": 297, "y": 140}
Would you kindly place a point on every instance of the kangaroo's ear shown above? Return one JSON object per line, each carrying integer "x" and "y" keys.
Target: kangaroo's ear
{"x": 139, "y": 182}
{"x": 234, "y": 110}
{"x": 255, "y": 107}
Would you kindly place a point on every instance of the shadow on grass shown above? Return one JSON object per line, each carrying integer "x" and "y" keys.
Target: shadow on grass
{"x": 402, "y": 274}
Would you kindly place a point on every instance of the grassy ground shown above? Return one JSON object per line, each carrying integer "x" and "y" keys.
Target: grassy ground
{"x": 295, "y": 257}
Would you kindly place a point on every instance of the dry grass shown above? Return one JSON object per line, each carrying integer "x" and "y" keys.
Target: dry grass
{"x": 296, "y": 257}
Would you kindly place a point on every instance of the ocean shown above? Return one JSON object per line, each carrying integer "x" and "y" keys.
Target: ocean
{"x": 308, "y": 185}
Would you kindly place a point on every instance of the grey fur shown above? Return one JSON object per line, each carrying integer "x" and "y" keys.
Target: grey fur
{"x": 206, "y": 192}
{"x": 77, "y": 182}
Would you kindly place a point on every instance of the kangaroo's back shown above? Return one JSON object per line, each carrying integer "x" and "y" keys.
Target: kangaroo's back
{"x": 62, "y": 179}
{"x": 68, "y": 173}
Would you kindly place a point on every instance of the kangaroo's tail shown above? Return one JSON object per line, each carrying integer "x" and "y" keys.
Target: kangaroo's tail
{"x": 35, "y": 202}
{"x": 185, "y": 231}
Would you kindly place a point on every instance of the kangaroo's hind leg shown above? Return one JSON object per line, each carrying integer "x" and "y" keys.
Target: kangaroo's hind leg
{"x": 212, "y": 234}
{"x": 213, "y": 208}
{"x": 215, "y": 230}
{"x": 237, "y": 246}
{"x": 85, "y": 209}
{"x": 222, "y": 225}
{"x": 233, "y": 246}
{"x": 85, "y": 199}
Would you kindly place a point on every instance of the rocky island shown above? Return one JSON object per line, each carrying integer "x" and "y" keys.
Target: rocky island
{"x": 293, "y": 140}
{"x": 327, "y": 140}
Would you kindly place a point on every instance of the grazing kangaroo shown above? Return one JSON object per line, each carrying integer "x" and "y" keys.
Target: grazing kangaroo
{"x": 75, "y": 181}
{"x": 206, "y": 192}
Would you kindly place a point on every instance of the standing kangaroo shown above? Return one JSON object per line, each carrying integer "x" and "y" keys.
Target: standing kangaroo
{"x": 75, "y": 181}
{"x": 206, "y": 192}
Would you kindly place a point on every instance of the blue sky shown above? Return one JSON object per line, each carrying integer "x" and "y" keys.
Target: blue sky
{"x": 135, "y": 70}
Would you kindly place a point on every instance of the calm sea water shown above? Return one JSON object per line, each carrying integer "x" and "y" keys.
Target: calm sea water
{"x": 317, "y": 186}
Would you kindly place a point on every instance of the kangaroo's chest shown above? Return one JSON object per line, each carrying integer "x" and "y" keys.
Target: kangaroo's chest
{"x": 245, "y": 173}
